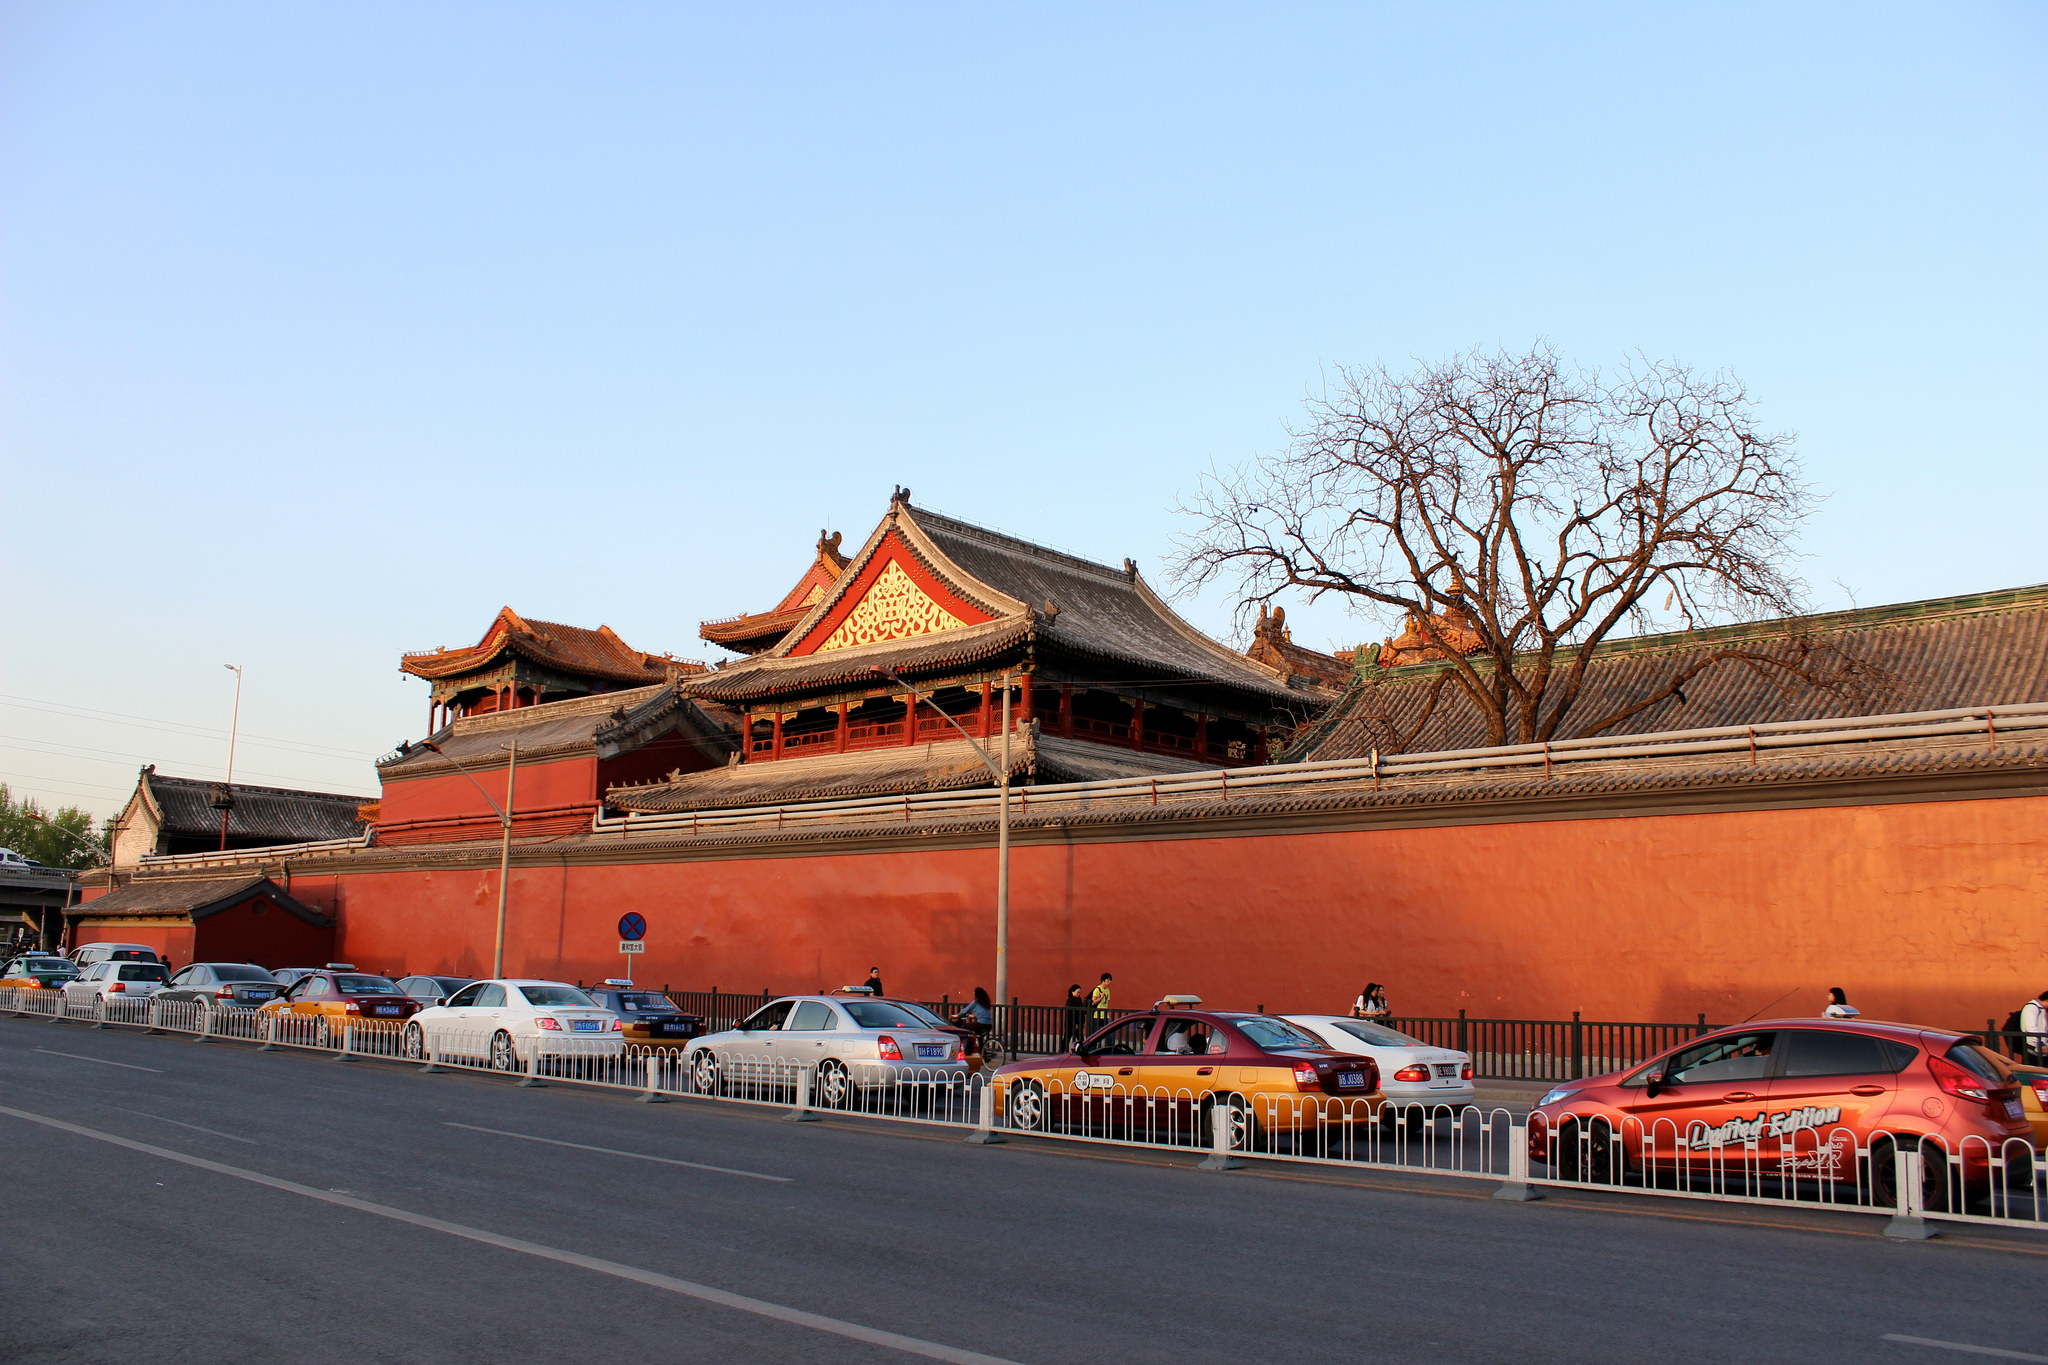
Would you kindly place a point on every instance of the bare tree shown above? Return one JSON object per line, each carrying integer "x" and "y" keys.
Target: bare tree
{"x": 1531, "y": 509}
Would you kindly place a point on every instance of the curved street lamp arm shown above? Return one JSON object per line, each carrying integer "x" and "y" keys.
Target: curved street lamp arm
{"x": 503, "y": 818}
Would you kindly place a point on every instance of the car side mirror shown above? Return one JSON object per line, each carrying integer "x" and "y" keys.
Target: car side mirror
{"x": 1655, "y": 1083}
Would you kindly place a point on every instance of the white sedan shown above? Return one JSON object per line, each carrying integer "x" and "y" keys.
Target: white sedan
{"x": 514, "y": 1024}
{"x": 1414, "y": 1075}
{"x": 114, "y": 981}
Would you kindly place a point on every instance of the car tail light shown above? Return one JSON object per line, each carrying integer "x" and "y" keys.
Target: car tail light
{"x": 618, "y": 1027}
{"x": 1305, "y": 1076}
{"x": 886, "y": 1046}
{"x": 116, "y": 986}
{"x": 351, "y": 1007}
{"x": 1465, "y": 1072}
{"x": 225, "y": 993}
{"x": 548, "y": 1022}
{"x": 1957, "y": 1080}
{"x": 2041, "y": 1090}
{"x": 1415, "y": 1071}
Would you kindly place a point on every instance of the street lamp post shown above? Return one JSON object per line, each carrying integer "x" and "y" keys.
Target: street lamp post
{"x": 504, "y": 814}
{"x": 229, "y": 786}
{"x": 1002, "y": 776}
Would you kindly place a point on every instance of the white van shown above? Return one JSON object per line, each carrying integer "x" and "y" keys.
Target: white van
{"x": 112, "y": 952}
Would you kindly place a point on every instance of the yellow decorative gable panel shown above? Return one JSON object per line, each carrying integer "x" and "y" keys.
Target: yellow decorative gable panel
{"x": 894, "y": 608}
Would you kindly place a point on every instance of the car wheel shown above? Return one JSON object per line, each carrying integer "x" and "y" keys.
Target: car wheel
{"x": 1884, "y": 1176}
{"x": 504, "y": 1057}
{"x": 704, "y": 1077}
{"x": 1591, "y": 1161}
{"x": 834, "y": 1087}
{"x": 414, "y": 1047}
{"x": 1236, "y": 1113}
{"x": 1027, "y": 1107}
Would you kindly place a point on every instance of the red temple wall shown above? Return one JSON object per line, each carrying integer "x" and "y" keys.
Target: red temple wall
{"x": 559, "y": 782}
{"x": 1926, "y": 911}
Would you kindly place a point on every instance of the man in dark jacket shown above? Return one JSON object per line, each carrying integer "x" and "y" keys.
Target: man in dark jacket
{"x": 874, "y": 981}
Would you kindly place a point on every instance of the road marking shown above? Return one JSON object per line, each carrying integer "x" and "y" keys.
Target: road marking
{"x": 817, "y": 1322}
{"x": 81, "y": 1057}
{"x": 613, "y": 1151}
{"x": 193, "y": 1126}
{"x": 1959, "y": 1346}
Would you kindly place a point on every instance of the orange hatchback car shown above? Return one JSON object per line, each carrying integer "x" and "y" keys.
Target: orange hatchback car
{"x": 1795, "y": 1099}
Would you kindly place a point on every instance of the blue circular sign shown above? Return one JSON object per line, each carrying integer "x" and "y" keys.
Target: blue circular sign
{"x": 632, "y": 927}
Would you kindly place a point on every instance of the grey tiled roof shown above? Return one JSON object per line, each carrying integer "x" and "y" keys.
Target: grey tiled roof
{"x": 1987, "y": 649}
{"x": 275, "y": 815}
{"x": 195, "y": 897}
{"x": 937, "y": 766}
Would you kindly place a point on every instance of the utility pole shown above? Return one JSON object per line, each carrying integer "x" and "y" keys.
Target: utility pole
{"x": 233, "y": 725}
{"x": 505, "y": 857}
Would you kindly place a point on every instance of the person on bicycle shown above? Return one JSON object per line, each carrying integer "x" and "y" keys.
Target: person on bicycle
{"x": 979, "y": 1016}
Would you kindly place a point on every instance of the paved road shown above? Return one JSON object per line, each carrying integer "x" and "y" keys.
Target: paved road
{"x": 282, "y": 1207}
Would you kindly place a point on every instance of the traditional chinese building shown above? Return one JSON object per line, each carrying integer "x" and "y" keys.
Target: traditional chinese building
{"x": 898, "y": 667}
{"x": 542, "y": 717}
{"x": 170, "y": 816}
{"x": 758, "y": 632}
{"x": 521, "y": 663}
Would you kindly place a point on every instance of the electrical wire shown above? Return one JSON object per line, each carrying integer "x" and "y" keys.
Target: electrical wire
{"x": 172, "y": 727}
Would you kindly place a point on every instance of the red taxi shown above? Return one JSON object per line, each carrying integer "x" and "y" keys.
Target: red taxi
{"x": 338, "y": 993}
{"x": 1807, "y": 1099}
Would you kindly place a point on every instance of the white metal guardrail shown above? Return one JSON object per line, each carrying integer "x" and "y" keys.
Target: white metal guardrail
{"x": 1910, "y": 1180}
{"x": 1991, "y": 723}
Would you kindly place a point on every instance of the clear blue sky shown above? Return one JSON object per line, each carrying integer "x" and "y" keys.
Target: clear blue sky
{"x": 330, "y": 329}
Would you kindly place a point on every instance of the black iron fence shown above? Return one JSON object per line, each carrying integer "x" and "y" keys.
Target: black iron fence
{"x": 1547, "y": 1049}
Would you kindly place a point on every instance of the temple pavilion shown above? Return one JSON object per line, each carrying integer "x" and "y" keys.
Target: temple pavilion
{"x": 522, "y": 663}
{"x": 884, "y": 671}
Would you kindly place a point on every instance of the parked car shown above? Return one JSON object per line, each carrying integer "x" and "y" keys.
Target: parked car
{"x": 87, "y": 954}
{"x": 103, "y": 979}
{"x": 855, "y": 1043}
{"x": 1416, "y": 1076}
{"x": 1256, "y": 1070}
{"x": 10, "y": 859}
{"x": 1794, "y": 1098}
{"x": 222, "y": 985}
{"x": 648, "y": 1016}
{"x": 287, "y": 975}
{"x": 2032, "y": 1079}
{"x": 32, "y": 970}
{"x": 337, "y": 994}
{"x": 516, "y": 1023}
{"x": 432, "y": 990}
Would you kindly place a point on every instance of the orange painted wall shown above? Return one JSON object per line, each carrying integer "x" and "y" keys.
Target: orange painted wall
{"x": 1930, "y": 912}
{"x": 563, "y": 782}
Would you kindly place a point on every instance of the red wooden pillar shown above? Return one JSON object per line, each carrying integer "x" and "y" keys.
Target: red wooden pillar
{"x": 1201, "y": 735}
{"x": 909, "y": 719}
{"x": 1024, "y": 712}
{"x": 1067, "y": 710}
{"x": 985, "y": 686}
{"x": 776, "y": 750}
{"x": 1259, "y": 749}
{"x": 1137, "y": 724}
{"x": 841, "y": 746}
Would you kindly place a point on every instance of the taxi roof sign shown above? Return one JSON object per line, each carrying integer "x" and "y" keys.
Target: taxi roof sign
{"x": 341, "y": 966}
{"x": 1179, "y": 1002}
{"x": 618, "y": 981}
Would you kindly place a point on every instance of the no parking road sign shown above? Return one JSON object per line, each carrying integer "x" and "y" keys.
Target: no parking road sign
{"x": 632, "y": 926}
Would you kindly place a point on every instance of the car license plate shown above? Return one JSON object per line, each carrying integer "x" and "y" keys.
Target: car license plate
{"x": 1350, "y": 1080}
{"x": 932, "y": 1049}
{"x": 387, "y": 1009}
{"x": 2013, "y": 1109}
{"x": 588, "y": 1025}
{"x": 1447, "y": 1069}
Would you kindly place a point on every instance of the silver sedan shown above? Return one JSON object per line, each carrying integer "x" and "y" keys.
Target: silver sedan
{"x": 850, "y": 1044}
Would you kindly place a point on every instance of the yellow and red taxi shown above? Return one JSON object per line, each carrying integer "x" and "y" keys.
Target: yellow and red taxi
{"x": 1828, "y": 1100}
{"x": 645, "y": 1016}
{"x": 1164, "y": 1074}
{"x": 338, "y": 994}
{"x": 2032, "y": 1079}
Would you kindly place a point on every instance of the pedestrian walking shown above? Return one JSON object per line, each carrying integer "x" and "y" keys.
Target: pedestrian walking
{"x": 873, "y": 985}
{"x": 1098, "y": 1000}
{"x": 1077, "y": 1016}
{"x": 2034, "y": 1029}
{"x": 1371, "y": 1003}
{"x": 1839, "y": 1006}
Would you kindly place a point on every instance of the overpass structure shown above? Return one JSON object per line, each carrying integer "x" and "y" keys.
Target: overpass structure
{"x": 32, "y": 901}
